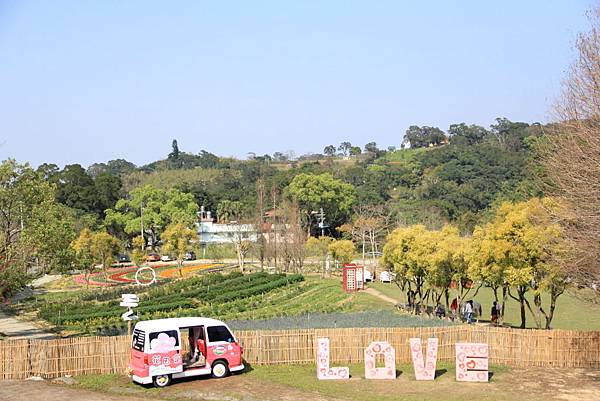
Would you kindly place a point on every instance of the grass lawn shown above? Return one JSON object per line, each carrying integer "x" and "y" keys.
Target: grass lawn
{"x": 405, "y": 387}
{"x": 299, "y": 382}
{"x": 571, "y": 312}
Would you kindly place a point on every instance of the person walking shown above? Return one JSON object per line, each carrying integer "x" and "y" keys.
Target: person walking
{"x": 468, "y": 311}
{"x": 494, "y": 314}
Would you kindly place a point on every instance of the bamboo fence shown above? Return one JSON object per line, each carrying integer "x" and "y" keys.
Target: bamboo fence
{"x": 511, "y": 347}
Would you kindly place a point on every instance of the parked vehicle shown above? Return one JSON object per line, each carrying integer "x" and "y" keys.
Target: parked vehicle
{"x": 124, "y": 259}
{"x": 166, "y": 258}
{"x": 368, "y": 276}
{"x": 153, "y": 257}
{"x": 386, "y": 277}
{"x": 191, "y": 255}
{"x": 156, "y": 350}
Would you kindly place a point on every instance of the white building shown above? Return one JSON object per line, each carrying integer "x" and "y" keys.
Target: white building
{"x": 210, "y": 232}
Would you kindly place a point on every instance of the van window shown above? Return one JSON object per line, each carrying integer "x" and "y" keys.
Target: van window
{"x": 139, "y": 338}
{"x": 219, "y": 333}
{"x": 170, "y": 333}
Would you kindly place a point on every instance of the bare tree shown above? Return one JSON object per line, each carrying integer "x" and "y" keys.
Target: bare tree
{"x": 570, "y": 156}
{"x": 293, "y": 239}
{"x": 370, "y": 224}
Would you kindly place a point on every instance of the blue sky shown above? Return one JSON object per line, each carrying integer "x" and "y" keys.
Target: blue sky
{"x": 90, "y": 81}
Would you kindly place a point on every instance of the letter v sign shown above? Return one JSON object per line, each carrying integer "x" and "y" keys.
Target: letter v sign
{"x": 424, "y": 370}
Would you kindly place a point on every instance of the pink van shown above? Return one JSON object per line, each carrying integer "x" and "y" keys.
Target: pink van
{"x": 156, "y": 350}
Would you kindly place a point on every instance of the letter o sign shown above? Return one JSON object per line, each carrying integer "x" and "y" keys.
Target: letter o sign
{"x": 389, "y": 355}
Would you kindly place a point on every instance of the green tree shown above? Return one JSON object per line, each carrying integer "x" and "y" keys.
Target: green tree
{"x": 371, "y": 147}
{"x": 174, "y": 155}
{"x": 319, "y": 246}
{"x": 520, "y": 247}
{"x": 153, "y": 209}
{"x": 406, "y": 252}
{"x": 49, "y": 236}
{"x": 177, "y": 239}
{"x": 342, "y": 250}
{"x": 228, "y": 210}
{"x": 104, "y": 249}
{"x": 463, "y": 134}
{"x": 345, "y": 148}
{"x": 315, "y": 191}
{"x": 355, "y": 151}
{"x": 107, "y": 188}
{"x": 422, "y": 137}
{"x": 329, "y": 150}
{"x": 76, "y": 188}
{"x": 27, "y": 204}
{"x": 82, "y": 247}
{"x": 138, "y": 253}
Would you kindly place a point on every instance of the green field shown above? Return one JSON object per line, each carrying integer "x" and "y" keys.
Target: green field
{"x": 226, "y": 297}
{"x": 572, "y": 311}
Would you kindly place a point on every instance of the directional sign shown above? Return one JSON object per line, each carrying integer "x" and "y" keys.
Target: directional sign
{"x": 129, "y": 316}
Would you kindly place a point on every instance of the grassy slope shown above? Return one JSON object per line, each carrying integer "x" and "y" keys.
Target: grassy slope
{"x": 571, "y": 313}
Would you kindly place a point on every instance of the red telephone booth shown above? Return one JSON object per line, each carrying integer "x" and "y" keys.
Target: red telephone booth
{"x": 353, "y": 277}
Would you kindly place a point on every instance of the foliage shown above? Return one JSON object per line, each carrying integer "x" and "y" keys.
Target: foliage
{"x": 177, "y": 239}
{"x": 138, "y": 253}
{"x": 152, "y": 208}
{"x": 82, "y": 246}
{"x": 104, "y": 247}
{"x": 519, "y": 248}
{"x": 421, "y": 137}
{"x": 322, "y": 191}
{"x": 32, "y": 225}
{"x": 342, "y": 250}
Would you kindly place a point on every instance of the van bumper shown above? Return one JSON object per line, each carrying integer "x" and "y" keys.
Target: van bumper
{"x": 142, "y": 380}
{"x": 237, "y": 368}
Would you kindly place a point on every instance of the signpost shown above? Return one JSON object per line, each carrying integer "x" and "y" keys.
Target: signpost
{"x": 129, "y": 301}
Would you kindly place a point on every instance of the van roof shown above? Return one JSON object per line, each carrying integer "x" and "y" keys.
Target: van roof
{"x": 165, "y": 324}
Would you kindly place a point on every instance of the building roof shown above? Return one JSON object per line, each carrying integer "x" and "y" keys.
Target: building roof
{"x": 176, "y": 323}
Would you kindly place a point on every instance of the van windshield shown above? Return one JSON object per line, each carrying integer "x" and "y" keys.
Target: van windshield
{"x": 139, "y": 338}
{"x": 219, "y": 333}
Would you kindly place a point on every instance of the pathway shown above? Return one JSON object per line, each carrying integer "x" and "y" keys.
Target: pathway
{"x": 380, "y": 295}
{"x": 16, "y": 329}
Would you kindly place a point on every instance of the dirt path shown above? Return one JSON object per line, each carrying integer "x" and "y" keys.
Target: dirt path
{"x": 14, "y": 328}
{"x": 380, "y": 295}
{"x": 29, "y": 391}
{"x": 233, "y": 388}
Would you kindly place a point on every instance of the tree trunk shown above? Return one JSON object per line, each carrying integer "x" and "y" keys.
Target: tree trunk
{"x": 522, "y": 307}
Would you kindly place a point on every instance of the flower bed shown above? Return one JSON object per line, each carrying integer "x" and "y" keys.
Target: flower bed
{"x": 126, "y": 275}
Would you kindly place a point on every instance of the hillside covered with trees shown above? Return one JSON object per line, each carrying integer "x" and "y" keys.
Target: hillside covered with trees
{"x": 433, "y": 178}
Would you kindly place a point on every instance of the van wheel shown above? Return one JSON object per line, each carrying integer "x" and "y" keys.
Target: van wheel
{"x": 161, "y": 380}
{"x": 219, "y": 369}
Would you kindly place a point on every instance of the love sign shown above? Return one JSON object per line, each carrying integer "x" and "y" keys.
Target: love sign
{"x": 324, "y": 372}
{"x": 471, "y": 361}
{"x": 424, "y": 367}
{"x": 389, "y": 357}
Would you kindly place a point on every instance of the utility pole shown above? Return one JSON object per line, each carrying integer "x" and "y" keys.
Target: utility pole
{"x": 322, "y": 224}
{"x": 142, "y": 219}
